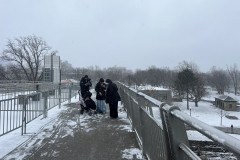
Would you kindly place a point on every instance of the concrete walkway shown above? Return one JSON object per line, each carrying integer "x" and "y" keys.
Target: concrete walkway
{"x": 81, "y": 137}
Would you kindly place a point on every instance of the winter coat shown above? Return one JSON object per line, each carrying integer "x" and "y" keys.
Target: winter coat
{"x": 90, "y": 104}
{"x": 112, "y": 95}
{"x": 83, "y": 87}
{"x": 99, "y": 88}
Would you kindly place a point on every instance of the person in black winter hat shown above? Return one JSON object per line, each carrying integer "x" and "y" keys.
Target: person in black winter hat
{"x": 85, "y": 84}
{"x": 100, "y": 96}
{"x": 112, "y": 97}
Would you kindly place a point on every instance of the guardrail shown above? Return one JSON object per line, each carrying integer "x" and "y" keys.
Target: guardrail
{"x": 19, "y": 106}
{"x": 166, "y": 138}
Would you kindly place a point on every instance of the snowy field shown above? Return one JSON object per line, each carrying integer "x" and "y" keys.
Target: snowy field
{"x": 210, "y": 114}
{"x": 207, "y": 113}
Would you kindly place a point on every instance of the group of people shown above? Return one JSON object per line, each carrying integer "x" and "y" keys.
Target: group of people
{"x": 106, "y": 92}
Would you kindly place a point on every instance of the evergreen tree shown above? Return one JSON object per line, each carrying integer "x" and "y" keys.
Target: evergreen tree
{"x": 185, "y": 81}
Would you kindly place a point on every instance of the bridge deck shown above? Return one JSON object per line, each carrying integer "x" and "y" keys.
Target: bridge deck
{"x": 72, "y": 136}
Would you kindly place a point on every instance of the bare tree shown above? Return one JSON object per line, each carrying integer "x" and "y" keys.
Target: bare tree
{"x": 67, "y": 70}
{"x": 140, "y": 77}
{"x": 27, "y": 53}
{"x": 234, "y": 74}
{"x": 15, "y": 73}
{"x": 198, "y": 90}
{"x": 117, "y": 73}
{"x": 154, "y": 76}
{"x": 3, "y": 73}
{"x": 219, "y": 80}
{"x": 80, "y": 72}
{"x": 188, "y": 65}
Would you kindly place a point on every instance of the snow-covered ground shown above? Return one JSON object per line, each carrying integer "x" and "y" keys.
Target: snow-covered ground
{"x": 14, "y": 139}
{"x": 207, "y": 113}
{"x": 210, "y": 114}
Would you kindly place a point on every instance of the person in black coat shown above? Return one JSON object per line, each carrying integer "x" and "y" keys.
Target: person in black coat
{"x": 85, "y": 85}
{"x": 90, "y": 105}
{"x": 100, "y": 96}
{"x": 112, "y": 97}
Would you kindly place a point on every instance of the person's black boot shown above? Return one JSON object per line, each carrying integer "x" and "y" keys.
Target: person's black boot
{"x": 89, "y": 113}
{"x": 81, "y": 111}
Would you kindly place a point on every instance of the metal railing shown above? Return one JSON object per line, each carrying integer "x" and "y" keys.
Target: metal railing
{"x": 22, "y": 103}
{"x": 166, "y": 137}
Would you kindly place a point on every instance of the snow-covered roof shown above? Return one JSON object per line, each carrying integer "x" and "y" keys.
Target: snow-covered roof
{"x": 69, "y": 81}
{"x": 226, "y": 98}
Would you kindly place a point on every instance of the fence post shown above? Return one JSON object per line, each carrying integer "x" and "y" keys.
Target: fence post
{"x": 45, "y": 97}
{"x": 70, "y": 93}
{"x": 23, "y": 99}
{"x": 165, "y": 129}
{"x": 141, "y": 104}
{"x": 59, "y": 95}
{"x": 176, "y": 132}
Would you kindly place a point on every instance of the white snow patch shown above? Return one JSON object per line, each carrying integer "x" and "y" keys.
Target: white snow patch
{"x": 235, "y": 135}
{"x": 125, "y": 127}
{"x": 195, "y": 135}
{"x": 210, "y": 114}
{"x": 132, "y": 153}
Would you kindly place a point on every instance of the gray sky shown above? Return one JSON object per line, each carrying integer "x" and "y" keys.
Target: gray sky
{"x": 134, "y": 34}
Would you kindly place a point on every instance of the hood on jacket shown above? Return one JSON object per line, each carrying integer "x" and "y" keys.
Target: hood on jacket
{"x": 108, "y": 81}
{"x": 101, "y": 80}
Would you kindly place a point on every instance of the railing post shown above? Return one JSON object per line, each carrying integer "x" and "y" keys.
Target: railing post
{"x": 59, "y": 95}
{"x": 176, "y": 132}
{"x": 23, "y": 99}
{"x": 130, "y": 108}
{"x": 150, "y": 110}
{"x": 141, "y": 104}
{"x": 70, "y": 93}
{"x": 45, "y": 97}
{"x": 165, "y": 129}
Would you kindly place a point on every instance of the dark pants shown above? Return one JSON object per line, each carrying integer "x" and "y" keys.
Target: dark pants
{"x": 83, "y": 92}
{"x": 113, "y": 106}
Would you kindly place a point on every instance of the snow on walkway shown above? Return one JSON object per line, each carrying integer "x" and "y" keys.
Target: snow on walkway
{"x": 54, "y": 131}
{"x": 13, "y": 139}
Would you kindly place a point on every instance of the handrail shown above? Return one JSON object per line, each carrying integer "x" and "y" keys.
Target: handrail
{"x": 188, "y": 151}
{"x": 231, "y": 143}
{"x": 173, "y": 120}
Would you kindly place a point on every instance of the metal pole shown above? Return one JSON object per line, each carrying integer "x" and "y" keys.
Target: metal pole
{"x": 70, "y": 93}
{"x": 25, "y": 111}
{"x": 141, "y": 103}
{"x": 176, "y": 132}
{"x": 59, "y": 95}
{"x": 45, "y": 95}
{"x": 23, "y": 99}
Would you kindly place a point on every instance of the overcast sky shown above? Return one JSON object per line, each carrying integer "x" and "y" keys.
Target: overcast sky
{"x": 134, "y": 34}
